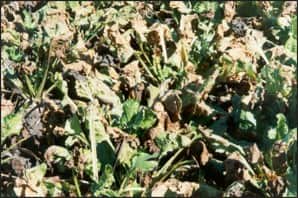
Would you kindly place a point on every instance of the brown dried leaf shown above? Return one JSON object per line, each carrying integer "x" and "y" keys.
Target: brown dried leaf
{"x": 80, "y": 46}
{"x": 158, "y": 35}
{"x": 173, "y": 104}
{"x": 186, "y": 31}
{"x": 79, "y": 66}
{"x": 236, "y": 48}
{"x": 235, "y": 168}
{"x": 162, "y": 116}
{"x": 254, "y": 41}
{"x": 172, "y": 126}
{"x": 229, "y": 10}
{"x": 25, "y": 188}
{"x": 120, "y": 40}
{"x": 132, "y": 74}
{"x": 32, "y": 183}
{"x": 289, "y": 8}
{"x": 164, "y": 124}
{"x": 18, "y": 164}
{"x": 203, "y": 109}
{"x": 140, "y": 26}
{"x": 222, "y": 28}
{"x": 56, "y": 24}
{"x": 279, "y": 157}
{"x": 255, "y": 155}
{"x": 174, "y": 187}
{"x": 276, "y": 186}
{"x": 7, "y": 107}
{"x": 199, "y": 150}
{"x": 25, "y": 43}
{"x": 180, "y": 6}
{"x": 239, "y": 53}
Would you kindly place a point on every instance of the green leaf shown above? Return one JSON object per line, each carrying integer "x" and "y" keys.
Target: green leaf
{"x": 74, "y": 131}
{"x": 205, "y": 6}
{"x": 86, "y": 154}
{"x": 73, "y": 5}
{"x": 247, "y": 8}
{"x": 281, "y": 130}
{"x": 11, "y": 125}
{"x": 144, "y": 119}
{"x": 103, "y": 187}
{"x": 291, "y": 45}
{"x": 275, "y": 83}
{"x": 72, "y": 125}
{"x": 54, "y": 188}
{"x": 272, "y": 134}
{"x": 15, "y": 54}
{"x": 130, "y": 108}
{"x": 247, "y": 120}
{"x": 282, "y": 127}
{"x": 105, "y": 150}
{"x": 294, "y": 27}
{"x": 28, "y": 23}
{"x": 12, "y": 80}
{"x": 107, "y": 178}
{"x": 29, "y": 85}
{"x": 63, "y": 87}
{"x": 148, "y": 120}
{"x": 90, "y": 117}
{"x": 133, "y": 189}
{"x": 246, "y": 67}
{"x": 168, "y": 142}
{"x": 144, "y": 162}
{"x": 291, "y": 189}
{"x": 135, "y": 118}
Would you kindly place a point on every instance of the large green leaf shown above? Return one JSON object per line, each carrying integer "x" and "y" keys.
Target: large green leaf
{"x": 135, "y": 118}
{"x": 144, "y": 119}
{"x": 130, "y": 108}
{"x": 144, "y": 162}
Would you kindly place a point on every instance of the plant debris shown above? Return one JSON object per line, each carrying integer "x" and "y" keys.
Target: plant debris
{"x": 145, "y": 99}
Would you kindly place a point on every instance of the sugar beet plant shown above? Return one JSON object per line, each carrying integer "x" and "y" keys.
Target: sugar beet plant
{"x": 124, "y": 98}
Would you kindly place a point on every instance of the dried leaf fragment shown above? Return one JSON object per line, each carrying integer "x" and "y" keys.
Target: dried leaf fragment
{"x": 174, "y": 187}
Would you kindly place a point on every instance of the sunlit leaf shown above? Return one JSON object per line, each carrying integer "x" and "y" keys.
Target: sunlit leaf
{"x": 11, "y": 125}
